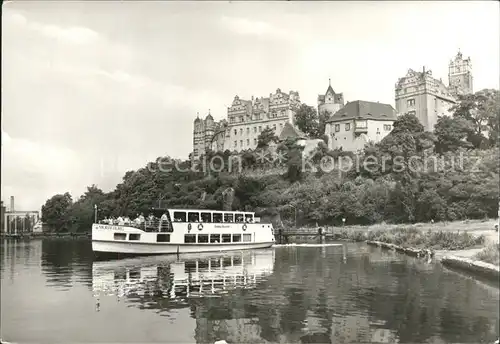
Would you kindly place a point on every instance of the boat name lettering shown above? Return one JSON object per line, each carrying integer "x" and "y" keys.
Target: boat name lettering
{"x": 115, "y": 228}
{"x": 222, "y": 226}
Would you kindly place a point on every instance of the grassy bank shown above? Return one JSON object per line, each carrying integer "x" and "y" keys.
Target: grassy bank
{"x": 490, "y": 254}
{"x": 415, "y": 237}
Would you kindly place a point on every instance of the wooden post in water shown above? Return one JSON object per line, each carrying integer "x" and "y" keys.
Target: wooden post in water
{"x": 344, "y": 253}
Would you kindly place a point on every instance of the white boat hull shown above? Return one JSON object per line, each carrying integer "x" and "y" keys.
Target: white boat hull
{"x": 171, "y": 248}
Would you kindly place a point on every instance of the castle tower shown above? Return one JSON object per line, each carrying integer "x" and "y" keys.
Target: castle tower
{"x": 198, "y": 137}
{"x": 460, "y": 75}
{"x": 209, "y": 130}
{"x": 330, "y": 102}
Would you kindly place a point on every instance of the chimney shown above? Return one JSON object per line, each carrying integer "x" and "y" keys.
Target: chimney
{"x": 11, "y": 203}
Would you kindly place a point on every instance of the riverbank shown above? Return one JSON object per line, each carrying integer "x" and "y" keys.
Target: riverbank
{"x": 474, "y": 251}
{"x": 44, "y": 235}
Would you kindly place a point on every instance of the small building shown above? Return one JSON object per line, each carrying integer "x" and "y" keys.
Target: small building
{"x": 291, "y": 132}
{"x": 358, "y": 123}
{"x": 17, "y": 221}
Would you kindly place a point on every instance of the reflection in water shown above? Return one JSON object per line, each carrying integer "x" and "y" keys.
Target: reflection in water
{"x": 179, "y": 279}
{"x": 285, "y": 294}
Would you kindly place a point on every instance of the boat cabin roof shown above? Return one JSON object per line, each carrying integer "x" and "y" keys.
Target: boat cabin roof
{"x": 211, "y": 211}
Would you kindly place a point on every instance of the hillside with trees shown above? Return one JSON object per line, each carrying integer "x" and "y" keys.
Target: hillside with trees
{"x": 410, "y": 176}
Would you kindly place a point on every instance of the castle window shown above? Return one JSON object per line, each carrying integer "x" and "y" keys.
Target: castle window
{"x": 235, "y": 144}
{"x": 235, "y": 132}
{"x": 281, "y": 125}
{"x": 254, "y": 141}
{"x": 241, "y": 143}
{"x": 248, "y": 131}
{"x": 412, "y": 112}
{"x": 347, "y": 126}
{"x": 241, "y": 119}
{"x": 387, "y": 127}
{"x": 411, "y": 102}
{"x": 337, "y": 127}
{"x": 248, "y": 142}
{"x": 260, "y": 128}
{"x": 274, "y": 126}
{"x": 254, "y": 129}
{"x": 241, "y": 131}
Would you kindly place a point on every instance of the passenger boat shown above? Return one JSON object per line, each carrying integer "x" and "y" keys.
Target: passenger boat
{"x": 185, "y": 231}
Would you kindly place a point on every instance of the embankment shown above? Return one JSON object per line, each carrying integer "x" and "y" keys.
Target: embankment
{"x": 474, "y": 267}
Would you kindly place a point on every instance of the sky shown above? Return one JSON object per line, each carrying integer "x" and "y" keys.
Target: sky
{"x": 91, "y": 90}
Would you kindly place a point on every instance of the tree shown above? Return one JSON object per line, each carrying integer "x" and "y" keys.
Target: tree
{"x": 55, "y": 212}
{"x": 266, "y": 137}
{"x": 294, "y": 164}
{"x": 307, "y": 120}
{"x": 322, "y": 118}
{"x": 482, "y": 110}
{"x": 452, "y": 133}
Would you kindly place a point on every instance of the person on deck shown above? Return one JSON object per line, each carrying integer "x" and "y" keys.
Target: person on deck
{"x": 163, "y": 223}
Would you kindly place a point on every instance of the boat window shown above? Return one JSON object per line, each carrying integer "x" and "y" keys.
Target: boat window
{"x": 226, "y": 261}
{"x": 162, "y": 237}
{"x": 190, "y": 265}
{"x": 237, "y": 260}
{"x": 193, "y": 217}
{"x": 120, "y": 275}
{"x": 134, "y": 236}
{"x": 120, "y": 236}
{"x": 202, "y": 238}
{"x": 134, "y": 274}
{"x": 181, "y": 291}
{"x": 203, "y": 264}
{"x": 217, "y": 217}
{"x": 228, "y": 217}
{"x": 226, "y": 237}
{"x": 248, "y": 218}
{"x": 214, "y": 238}
{"x": 189, "y": 238}
{"x": 206, "y": 217}
{"x": 236, "y": 237}
{"x": 179, "y": 216}
{"x": 247, "y": 237}
{"x": 214, "y": 263}
{"x": 238, "y": 218}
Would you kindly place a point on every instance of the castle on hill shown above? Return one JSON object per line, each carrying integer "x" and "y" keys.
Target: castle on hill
{"x": 350, "y": 125}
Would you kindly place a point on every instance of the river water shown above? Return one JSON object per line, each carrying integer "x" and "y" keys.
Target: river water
{"x": 53, "y": 292}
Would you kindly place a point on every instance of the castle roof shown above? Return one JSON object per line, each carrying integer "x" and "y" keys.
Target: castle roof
{"x": 321, "y": 97}
{"x": 197, "y": 118}
{"x": 360, "y": 109}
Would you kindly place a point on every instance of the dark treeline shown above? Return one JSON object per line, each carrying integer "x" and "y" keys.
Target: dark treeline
{"x": 410, "y": 176}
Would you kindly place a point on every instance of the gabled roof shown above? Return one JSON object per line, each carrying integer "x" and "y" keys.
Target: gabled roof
{"x": 289, "y": 131}
{"x": 329, "y": 89}
{"x": 361, "y": 109}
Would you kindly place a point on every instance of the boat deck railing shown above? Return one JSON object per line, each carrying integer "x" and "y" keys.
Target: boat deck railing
{"x": 147, "y": 226}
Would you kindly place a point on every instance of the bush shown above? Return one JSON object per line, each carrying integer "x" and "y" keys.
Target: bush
{"x": 490, "y": 254}
{"x": 440, "y": 240}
